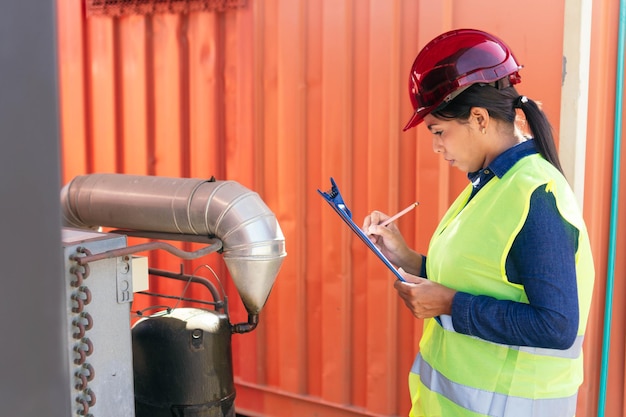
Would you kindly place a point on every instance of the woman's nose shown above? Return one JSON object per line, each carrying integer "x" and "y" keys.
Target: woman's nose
{"x": 437, "y": 147}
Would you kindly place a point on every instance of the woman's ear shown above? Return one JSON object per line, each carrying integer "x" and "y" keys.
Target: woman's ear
{"x": 480, "y": 116}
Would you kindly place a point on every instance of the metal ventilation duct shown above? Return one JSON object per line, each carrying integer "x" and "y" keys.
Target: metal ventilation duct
{"x": 253, "y": 243}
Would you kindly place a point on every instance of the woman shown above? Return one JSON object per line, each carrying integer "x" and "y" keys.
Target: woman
{"x": 509, "y": 268}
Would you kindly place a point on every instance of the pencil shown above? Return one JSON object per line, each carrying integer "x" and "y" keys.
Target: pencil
{"x": 400, "y": 214}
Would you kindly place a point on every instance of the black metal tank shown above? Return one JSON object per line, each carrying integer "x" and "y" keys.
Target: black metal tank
{"x": 182, "y": 364}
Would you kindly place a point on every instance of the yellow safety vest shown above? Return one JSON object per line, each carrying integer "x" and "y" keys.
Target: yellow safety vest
{"x": 459, "y": 375}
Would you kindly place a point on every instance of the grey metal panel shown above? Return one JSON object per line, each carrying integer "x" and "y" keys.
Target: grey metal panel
{"x": 34, "y": 377}
{"x": 106, "y": 346}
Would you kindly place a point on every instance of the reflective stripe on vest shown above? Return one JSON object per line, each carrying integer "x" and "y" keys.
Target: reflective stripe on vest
{"x": 491, "y": 403}
{"x": 572, "y": 353}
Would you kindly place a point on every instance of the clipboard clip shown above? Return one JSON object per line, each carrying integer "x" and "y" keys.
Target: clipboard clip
{"x": 333, "y": 196}
{"x": 335, "y": 200}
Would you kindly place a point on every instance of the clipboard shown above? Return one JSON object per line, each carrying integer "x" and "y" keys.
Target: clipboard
{"x": 335, "y": 200}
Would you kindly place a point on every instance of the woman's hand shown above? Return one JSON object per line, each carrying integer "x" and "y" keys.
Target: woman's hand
{"x": 390, "y": 242}
{"x": 424, "y": 298}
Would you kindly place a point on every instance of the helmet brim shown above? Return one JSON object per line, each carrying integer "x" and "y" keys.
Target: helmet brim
{"x": 418, "y": 117}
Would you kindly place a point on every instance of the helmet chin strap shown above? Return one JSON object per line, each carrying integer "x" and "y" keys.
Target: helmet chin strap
{"x": 500, "y": 84}
{"x": 453, "y": 95}
{"x": 504, "y": 82}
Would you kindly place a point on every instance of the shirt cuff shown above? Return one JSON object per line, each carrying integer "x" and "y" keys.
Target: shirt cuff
{"x": 461, "y": 304}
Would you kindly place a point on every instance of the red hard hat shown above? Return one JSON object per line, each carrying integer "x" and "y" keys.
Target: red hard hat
{"x": 452, "y": 62}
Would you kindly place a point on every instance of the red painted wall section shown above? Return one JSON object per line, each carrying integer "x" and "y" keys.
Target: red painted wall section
{"x": 281, "y": 95}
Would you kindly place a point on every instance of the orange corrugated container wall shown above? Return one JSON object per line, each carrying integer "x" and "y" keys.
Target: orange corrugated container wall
{"x": 282, "y": 95}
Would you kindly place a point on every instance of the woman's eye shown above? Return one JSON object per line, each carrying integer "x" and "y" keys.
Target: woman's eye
{"x": 438, "y": 132}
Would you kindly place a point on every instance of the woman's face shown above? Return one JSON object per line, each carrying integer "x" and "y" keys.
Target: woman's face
{"x": 460, "y": 143}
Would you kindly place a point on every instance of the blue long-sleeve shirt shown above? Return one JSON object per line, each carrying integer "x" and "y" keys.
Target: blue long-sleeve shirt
{"x": 542, "y": 260}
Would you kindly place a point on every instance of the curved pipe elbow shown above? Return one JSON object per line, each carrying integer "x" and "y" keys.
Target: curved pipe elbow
{"x": 253, "y": 321}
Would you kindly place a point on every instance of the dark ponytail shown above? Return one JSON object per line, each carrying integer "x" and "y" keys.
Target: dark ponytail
{"x": 541, "y": 130}
{"x": 501, "y": 105}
